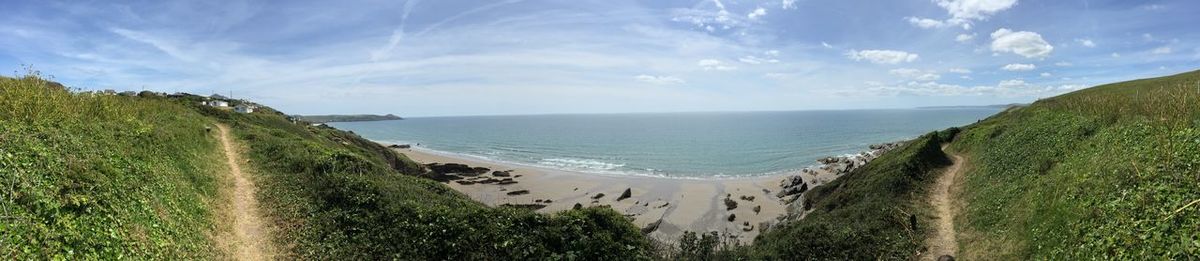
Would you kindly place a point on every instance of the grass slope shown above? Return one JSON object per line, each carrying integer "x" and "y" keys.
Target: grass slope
{"x": 866, "y": 214}
{"x": 85, "y": 177}
{"x": 335, "y": 195}
{"x": 1099, "y": 173}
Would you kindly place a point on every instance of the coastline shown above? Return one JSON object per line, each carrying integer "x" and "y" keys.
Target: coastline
{"x": 665, "y": 207}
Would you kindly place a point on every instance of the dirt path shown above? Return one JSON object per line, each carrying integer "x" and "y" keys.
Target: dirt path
{"x": 943, "y": 242}
{"x": 251, "y": 242}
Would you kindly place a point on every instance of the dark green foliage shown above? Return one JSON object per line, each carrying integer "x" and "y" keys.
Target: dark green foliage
{"x": 100, "y": 177}
{"x": 865, "y": 214}
{"x": 335, "y": 195}
{"x": 1100, "y": 173}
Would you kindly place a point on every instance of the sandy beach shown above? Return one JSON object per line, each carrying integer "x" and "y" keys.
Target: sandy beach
{"x": 680, "y": 204}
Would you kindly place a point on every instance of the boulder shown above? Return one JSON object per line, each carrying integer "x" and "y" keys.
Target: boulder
{"x": 747, "y": 198}
{"x": 625, "y": 195}
{"x": 732, "y": 217}
{"x": 465, "y": 182}
{"x": 500, "y": 173}
{"x": 651, "y": 227}
{"x": 757, "y": 209}
{"x": 455, "y": 168}
{"x": 506, "y": 182}
{"x": 598, "y": 196}
{"x": 577, "y": 206}
{"x": 730, "y": 204}
{"x": 788, "y": 191}
{"x": 518, "y": 192}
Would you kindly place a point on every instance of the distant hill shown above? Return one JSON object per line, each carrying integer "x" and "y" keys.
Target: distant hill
{"x": 348, "y": 118}
{"x": 1000, "y": 106}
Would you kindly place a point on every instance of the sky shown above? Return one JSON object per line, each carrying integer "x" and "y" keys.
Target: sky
{"x": 453, "y": 57}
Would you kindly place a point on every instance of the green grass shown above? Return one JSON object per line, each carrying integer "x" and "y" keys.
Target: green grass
{"x": 1099, "y": 173}
{"x": 335, "y": 195}
{"x": 85, "y": 177}
{"x": 866, "y": 214}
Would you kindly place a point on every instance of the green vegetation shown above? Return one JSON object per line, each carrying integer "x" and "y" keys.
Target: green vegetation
{"x": 101, "y": 176}
{"x": 346, "y": 118}
{"x": 335, "y": 195}
{"x": 867, "y": 214}
{"x": 1107, "y": 172}
{"x": 1100, "y": 173}
{"x": 87, "y": 177}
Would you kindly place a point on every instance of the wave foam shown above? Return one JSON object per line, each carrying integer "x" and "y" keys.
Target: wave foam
{"x": 580, "y": 164}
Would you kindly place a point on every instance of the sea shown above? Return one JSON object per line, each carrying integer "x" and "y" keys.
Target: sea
{"x": 692, "y": 145}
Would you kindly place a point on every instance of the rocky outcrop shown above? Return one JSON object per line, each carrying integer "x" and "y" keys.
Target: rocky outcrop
{"x": 730, "y": 204}
{"x": 624, "y": 195}
{"x": 455, "y": 168}
{"x": 518, "y": 192}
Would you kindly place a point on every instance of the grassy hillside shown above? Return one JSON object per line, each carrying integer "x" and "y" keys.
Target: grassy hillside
{"x": 866, "y": 214}
{"x": 335, "y": 195}
{"x": 83, "y": 177}
{"x": 101, "y": 176}
{"x": 1104, "y": 172}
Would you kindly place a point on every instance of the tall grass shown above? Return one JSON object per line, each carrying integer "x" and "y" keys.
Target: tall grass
{"x": 97, "y": 176}
{"x": 1100, "y": 173}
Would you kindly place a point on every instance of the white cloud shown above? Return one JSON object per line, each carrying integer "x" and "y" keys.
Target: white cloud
{"x": 882, "y": 56}
{"x": 757, "y": 13}
{"x": 1023, "y": 43}
{"x": 1086, "y": 42}
{"x": 1006, "y": 88}
{"x": 714, "y": 65}
{"x": 975, "y": 9}
{"x": 1046, "y": 74}
{"x": 709, "y": 19}
{"x": 927, "y": 23}
{"x": 750, "y": 59}
{"x": 1115, "y": 55}
{"x": 789, "y": 4}
{"x": 1154, "y": 7}
{"x": 962, "y": 38}
{"x": 1147, "y": 37}
{"x": 659, "y": 80}
{"x": 915, "y": 74}
{"x": 905, "y": 72}
{"x": 826, "y": 45}
{"x": 960, "y": 70}
{"x": 1161, "y": 50}
{"x": 962, "y": 12}
{"x": 1019, "y": 67}
{"x": 1063, "y": 64}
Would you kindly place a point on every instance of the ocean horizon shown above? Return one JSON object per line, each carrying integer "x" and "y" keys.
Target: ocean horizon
{"x": 688, "y": 145}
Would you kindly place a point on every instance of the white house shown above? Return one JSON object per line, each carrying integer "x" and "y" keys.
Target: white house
{"x": 242, "y": 108}
{"x": 218, "y": 103}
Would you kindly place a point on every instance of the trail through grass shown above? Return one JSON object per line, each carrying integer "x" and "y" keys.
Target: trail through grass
{"x": 252, "y": 240}
{"x": 943, "y": 241}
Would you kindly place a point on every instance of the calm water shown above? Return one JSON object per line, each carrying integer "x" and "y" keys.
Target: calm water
{"x": 685, "y": 145}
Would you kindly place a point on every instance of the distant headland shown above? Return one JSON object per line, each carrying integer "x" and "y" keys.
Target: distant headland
{"x": 348, "y": 118}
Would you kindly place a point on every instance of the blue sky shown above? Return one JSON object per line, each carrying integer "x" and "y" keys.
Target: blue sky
{"x": 448, "y": 57}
